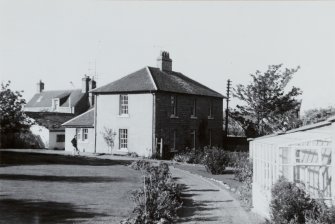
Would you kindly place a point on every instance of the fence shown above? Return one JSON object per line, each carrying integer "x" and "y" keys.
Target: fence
{"x": 301, "y": 156}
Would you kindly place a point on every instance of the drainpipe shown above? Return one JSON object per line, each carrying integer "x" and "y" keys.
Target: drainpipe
{"x": 95, "y": 122}
{"x": 154, "y": 150}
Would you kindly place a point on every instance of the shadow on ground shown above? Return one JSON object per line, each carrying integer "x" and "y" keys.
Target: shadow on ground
{"x": 19, "y": 158}
{"x": 15, "y": 211}
{"x": 70, "y": 179}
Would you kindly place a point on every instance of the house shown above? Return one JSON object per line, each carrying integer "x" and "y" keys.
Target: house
{"x": 52, "y": 108}
{"x": 155, "y": 111}
{"x": 304, "y": 156}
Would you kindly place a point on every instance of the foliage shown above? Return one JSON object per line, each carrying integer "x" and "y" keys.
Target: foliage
{"x": 190, "y": 156}
{"x": 12, "y": 117}
{"x": 159, "y": 199}
{"x": 216, "y": 160}
{"x": 234, "y": 127}
{"x": 267, "y": 108}
{"x": 140, "y": 165}
{"x": 109, "y": 137}
{"x": 316, "y": 115}
{"x": 291, "y": 204}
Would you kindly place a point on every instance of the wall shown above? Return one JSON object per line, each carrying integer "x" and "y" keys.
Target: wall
{"x": 83, "y": 146}
{"x": 183, "y": 124}
{"x": 138, "y": 123}
{"x": 53, "y": 144}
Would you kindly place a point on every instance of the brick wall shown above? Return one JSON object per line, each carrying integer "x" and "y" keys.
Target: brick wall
{"x": 183, "y": 124}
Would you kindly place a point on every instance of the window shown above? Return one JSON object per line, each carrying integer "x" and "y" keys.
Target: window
{"x": 85, "y": 134}
{"x": 55, "y": 104}
{"x": 123, "y": 104}
{"x": 173, "y": 105}
{"x": 210, "y": 114}
{"x": 194, "y": 108}
{"x": 193, "y": 139}
{"x": 60, "y": 138}
{"x": 210, "y": 137}
{"x": 78, "y": 134}
{"x": 174, "y": 141}
{"x": 123, "y": 138}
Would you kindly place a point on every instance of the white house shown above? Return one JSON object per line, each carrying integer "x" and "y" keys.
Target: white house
{"x": 304, "y": 155}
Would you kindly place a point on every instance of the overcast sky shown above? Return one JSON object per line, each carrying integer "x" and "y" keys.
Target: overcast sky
{"x": 60, "y": 41}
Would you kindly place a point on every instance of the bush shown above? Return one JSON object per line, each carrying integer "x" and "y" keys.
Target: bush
{"x": 159, "y": 199}
{"x": 140, "y": 165}
{"x": 190, "y": 156}
{"x": 291, "y": 204}
{"x": 216, "y": 160}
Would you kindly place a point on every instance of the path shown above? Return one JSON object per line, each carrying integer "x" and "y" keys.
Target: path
{"x": 205, "y": 202}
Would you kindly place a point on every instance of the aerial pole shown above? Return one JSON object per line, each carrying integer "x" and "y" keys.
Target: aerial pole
{"x": 227, "y": 109}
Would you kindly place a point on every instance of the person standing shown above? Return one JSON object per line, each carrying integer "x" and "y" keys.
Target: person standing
{"x": 74, "y": 143}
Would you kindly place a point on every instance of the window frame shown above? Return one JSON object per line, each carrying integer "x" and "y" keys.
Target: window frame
{"x": 78, "y": 134}
{"x": 123, "y": 139}
{"x": 62, "y": 139}
{"x": 210, "y": 112}
{"x": 84, "y": 134}
{"x": 123, "y": 105}
{"x": 194, "y": 108}
{"x": 193, "y": 138}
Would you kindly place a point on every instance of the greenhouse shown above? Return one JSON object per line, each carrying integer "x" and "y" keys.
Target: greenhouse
{"x": 302, "y": 155}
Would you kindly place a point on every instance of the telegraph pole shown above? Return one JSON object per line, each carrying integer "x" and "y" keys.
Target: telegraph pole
{"x": 227, "y": 109}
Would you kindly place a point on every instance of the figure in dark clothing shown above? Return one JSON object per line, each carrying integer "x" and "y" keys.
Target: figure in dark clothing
{"x": 74, "y": 143}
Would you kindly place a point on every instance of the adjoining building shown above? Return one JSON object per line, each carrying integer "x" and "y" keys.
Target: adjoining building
{"x": 304, "y": 155}
{"x": 156, "y": 111}
{"x": 51, "y": 108}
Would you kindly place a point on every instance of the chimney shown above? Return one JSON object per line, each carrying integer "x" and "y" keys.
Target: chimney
{"x": 40, "y": 86}
{"x": 92, "y": 85}
{"x": 85, "y": 84}
{"x": 164, "y": 62}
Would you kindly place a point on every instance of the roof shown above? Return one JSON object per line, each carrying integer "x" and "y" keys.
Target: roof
{"x": 322, "y": 129}
{"x": 151, "y": 79}
{"x": 50, "y": 120}
{"x": 44, "y": 99}
{"x": 84, "y": 120}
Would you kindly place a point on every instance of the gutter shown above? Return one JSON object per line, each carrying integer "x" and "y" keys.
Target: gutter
{"x": 95, "y": 122}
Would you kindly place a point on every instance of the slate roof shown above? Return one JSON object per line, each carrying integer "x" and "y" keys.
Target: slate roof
{"x": 84, "y": 120}
{"x": 44, "y": 99}
{"x": 151, "y": 79}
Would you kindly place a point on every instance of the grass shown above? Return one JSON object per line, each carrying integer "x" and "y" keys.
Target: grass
{"x": 40, "y": 188}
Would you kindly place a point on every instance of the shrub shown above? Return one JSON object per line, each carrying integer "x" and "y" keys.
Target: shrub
{"x": 140, "y": 165}
{"x": 190, "y": 156}
{"x": 291, "y": 204}
{"x": 160, "y": 197}
{"x": 216, "y": 160}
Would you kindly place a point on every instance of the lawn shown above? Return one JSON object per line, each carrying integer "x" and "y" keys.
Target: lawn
{"x": 40, "y": 188}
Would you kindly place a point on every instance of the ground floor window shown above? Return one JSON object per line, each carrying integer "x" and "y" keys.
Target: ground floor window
{"x": 123, "y": 138}
{"x": 78, "y": 134}
{"x": 193, "y": 139}
{"x": 174, "y": 139}
{"x": 82, "y": 134}
{"x": 210, "y": 137}
{"x": 85, "y": 134}
{"x": 60, "y": 138}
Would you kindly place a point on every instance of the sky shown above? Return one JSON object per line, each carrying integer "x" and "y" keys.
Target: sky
{"x": 59, "y": 41}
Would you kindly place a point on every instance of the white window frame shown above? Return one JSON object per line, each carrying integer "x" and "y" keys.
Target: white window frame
{"x": 58, "y": 136}
{"x": 123, "y": 104}
{"x": 123, "y": 139}
{"x": 78, "y": 133}
{"x": 210, "y": 109}
{"x": 194, "y": 109}
{"x": 85, "y": 134}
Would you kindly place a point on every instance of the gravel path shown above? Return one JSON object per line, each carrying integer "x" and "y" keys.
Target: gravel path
{"x": 205, "y": 202}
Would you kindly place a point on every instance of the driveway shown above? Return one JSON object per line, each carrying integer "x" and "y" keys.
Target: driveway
{"x": 205, "y": 202}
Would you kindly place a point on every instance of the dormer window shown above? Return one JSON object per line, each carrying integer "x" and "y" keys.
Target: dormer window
{"x": 55, "y": 104}
{"x": 123, "y": 104}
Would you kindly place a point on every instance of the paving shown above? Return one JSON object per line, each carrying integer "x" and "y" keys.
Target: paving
{"x": 205, "y": 202}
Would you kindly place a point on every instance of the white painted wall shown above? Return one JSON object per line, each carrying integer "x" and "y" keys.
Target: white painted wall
{"x": 138, "y": 123}
{"x": 42, "y": 132}
{"x": 83, "y": 146}
{"x": 52, "y": 140}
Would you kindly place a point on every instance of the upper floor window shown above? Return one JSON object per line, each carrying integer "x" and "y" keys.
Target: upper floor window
{"x": 123, "y": 104}
{"x": 174, "y": 105}
{"x": 55, "y": 104}
{"x": 194, "y": 108}
{"x": 210, "y": 113}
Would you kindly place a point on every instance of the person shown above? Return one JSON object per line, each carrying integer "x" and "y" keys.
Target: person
{"x": 74, "y": 143}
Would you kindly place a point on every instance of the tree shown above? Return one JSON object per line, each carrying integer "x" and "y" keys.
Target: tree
{"x": 12, "y": 117}
{"x": 312, "y": 116}
{"x": 267, "y": 108}
{"x": 109, "y": 137}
